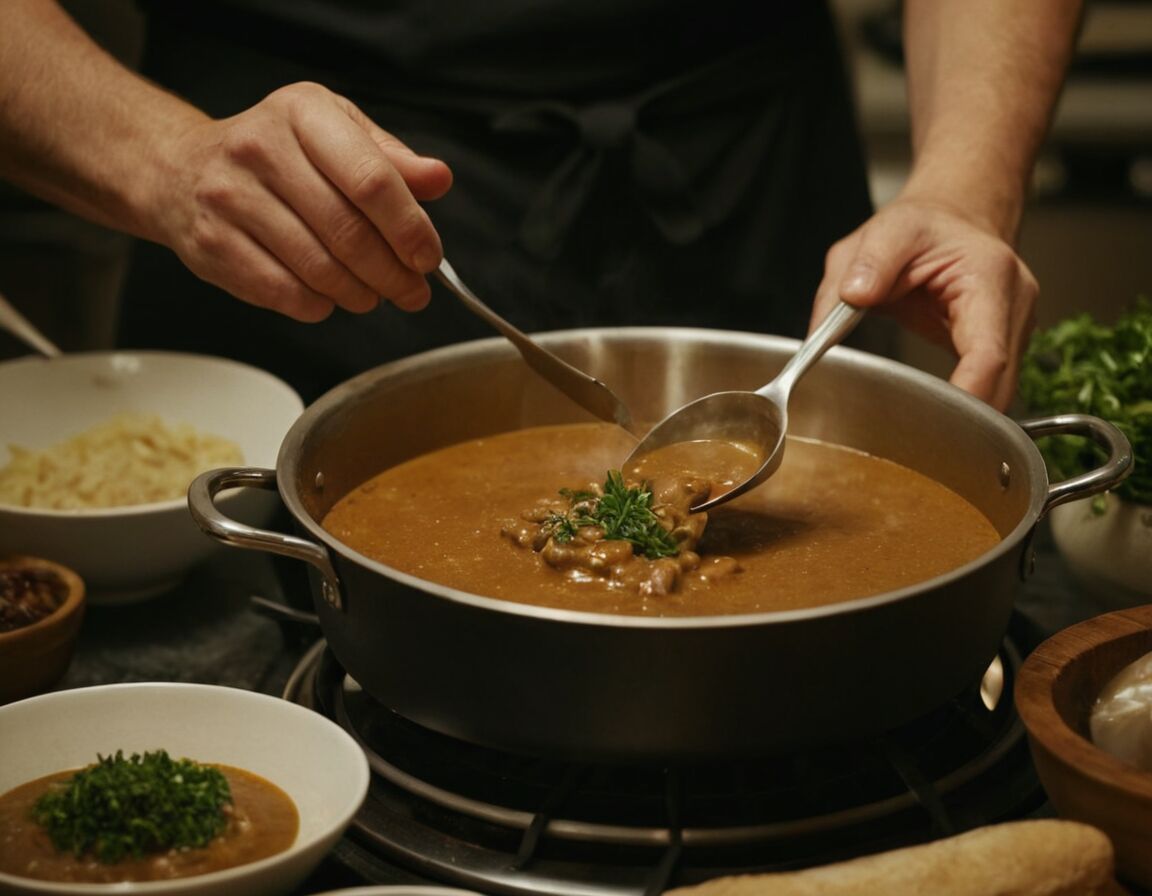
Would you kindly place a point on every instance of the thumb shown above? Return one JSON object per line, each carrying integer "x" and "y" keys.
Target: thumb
{"x": 426, "y": 177}
{"x": 859, "y": 271}
{"x": 879, "y": 266}
{"x": 883, "y": 252}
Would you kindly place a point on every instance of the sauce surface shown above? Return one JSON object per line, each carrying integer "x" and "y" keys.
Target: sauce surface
{"x": 263, "y": 822}
{"x": 832, "y": 524}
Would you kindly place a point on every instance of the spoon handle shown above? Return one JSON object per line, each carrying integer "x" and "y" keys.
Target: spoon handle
{"x": 20, "y": 327}
{"x": 585, "y": 390}
{"x": 839, "y": 322}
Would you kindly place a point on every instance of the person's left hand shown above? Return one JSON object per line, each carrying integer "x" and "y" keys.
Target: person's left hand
{"x": 946, "y": 278}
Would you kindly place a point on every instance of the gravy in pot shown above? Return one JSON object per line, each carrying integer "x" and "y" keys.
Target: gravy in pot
{"x": 831, "y": 525}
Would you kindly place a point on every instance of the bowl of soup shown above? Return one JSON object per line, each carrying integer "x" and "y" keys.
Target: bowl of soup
{"x": 292, "y": 780}
{"x": 447, "y": 507}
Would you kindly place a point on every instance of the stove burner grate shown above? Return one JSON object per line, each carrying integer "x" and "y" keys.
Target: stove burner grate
{"x": 503, "y": 823}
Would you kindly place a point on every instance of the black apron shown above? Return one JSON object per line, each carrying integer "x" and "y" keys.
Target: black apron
{"x": 631, "y": 162}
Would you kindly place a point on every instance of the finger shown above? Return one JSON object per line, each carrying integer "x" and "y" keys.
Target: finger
{"x": 348, "y": 157}
{"x": 427, "y": 178}
{"x": 290, "y": 225}
{"x": 984, "y": 372}
{"x": 244, "y": 268}
{"x": 263, "y": 145}
{"x": 989, "y": 322}
{"x": 334, "y": 247}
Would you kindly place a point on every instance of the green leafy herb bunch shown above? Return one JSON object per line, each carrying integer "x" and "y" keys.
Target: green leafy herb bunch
{"x": 1082, "y": 366}
{"x": 624, "y": 513}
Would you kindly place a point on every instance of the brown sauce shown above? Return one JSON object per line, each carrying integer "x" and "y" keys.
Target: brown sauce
{"x": 263, "y": 822}
{"x": 728, "y": 463}
{"x": 831, "y": 525}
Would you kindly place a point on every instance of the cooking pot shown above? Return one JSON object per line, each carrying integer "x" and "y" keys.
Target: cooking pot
{"x": 567, "y": 684}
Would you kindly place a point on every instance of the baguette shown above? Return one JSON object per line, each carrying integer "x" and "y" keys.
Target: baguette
{"x": 1046, "y": 857}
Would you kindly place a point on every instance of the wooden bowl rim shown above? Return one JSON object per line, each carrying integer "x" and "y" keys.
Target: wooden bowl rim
{"x": 71, "y": 604}
{"x": 1043, "y": 721}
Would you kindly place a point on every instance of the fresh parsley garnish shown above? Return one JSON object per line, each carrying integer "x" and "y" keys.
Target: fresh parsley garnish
{"x": 1083, "y": 366}
{"x": 121, "y": 808}
{"x": 624, "y": 514}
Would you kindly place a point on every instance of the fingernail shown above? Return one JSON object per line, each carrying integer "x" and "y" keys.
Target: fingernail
{"x": 859, "y": 282}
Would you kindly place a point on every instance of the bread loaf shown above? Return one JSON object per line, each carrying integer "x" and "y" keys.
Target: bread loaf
{"x": 1046, "y": 857}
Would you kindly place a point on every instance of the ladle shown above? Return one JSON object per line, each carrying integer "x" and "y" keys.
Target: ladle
{"x": 20, "y": 327}
{"x": 754, "y": 421}
{"x": 585, "y": 390}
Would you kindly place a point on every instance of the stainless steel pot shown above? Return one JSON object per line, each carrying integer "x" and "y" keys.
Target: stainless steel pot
{"x": 561, "y": 683}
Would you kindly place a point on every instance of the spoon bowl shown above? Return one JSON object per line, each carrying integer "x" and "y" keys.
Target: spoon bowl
{"x": 736, "y": 438}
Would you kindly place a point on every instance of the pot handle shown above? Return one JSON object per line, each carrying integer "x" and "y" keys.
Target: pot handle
{"x": 1111, "y": 473}
{"x": 201, "y": 502}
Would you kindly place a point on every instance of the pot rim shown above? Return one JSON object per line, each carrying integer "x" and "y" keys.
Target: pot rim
{"x": 944, "y": 392}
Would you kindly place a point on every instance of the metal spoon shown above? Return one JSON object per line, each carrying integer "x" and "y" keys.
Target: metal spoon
{"x": 757, "y": 421}
{"x": 20, "y": 327}
{"x": 585, "y": 390}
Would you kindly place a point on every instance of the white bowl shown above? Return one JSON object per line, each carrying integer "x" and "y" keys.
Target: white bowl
{"x": 1109, "y": 553}
{"x": 130, "y": 553}
{"x": 309, "y": 757}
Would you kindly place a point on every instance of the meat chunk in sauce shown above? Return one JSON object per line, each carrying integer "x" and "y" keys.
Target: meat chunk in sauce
{"x": 577, "y": 534}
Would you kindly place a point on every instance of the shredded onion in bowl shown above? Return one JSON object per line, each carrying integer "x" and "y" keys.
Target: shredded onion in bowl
{"x": 126, "y": 460}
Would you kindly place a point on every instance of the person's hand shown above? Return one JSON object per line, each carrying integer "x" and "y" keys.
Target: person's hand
{"x": 301, "y": 204}
{"x": 947, "y": 279}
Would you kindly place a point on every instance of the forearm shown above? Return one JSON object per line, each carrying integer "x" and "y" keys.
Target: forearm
{"x": 983, "y": 78}
{"x": 77, "y": 128}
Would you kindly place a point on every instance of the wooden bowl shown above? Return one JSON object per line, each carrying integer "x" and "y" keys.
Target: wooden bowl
{"x": 1055, "y": 691}
{"x": 34, "y": 657}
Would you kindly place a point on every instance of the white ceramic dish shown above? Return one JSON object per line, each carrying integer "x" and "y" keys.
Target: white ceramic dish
{"x": 311, "y": 758}
{"x": 130, "y": 553}
{"x": 1109, "y": 553}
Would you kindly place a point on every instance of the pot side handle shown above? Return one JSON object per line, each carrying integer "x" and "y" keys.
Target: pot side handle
{"x": 202, "y": 504}
{"x": 1109, "y": 474}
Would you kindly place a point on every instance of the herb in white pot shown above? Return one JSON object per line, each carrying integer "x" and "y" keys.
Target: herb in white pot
{"x": 1083, "y": 366}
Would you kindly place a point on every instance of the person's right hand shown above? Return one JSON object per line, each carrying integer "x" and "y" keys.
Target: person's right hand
{"x": 301, "y": 204}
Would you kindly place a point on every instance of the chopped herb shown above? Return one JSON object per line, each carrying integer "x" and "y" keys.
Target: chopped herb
{"x": 1082, "y": 366}
{"x": 121, "y": 808}
{"x": 624, "y": 513}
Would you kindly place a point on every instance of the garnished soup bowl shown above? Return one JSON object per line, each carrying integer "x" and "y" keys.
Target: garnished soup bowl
{"x": 310, "y": 758}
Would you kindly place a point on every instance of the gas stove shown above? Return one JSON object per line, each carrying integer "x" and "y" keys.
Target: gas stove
{"x": 495, "y": 822}
{"x": 445, "y": 812}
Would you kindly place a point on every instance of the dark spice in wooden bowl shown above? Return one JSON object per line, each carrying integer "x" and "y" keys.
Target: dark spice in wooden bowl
{"x": 28, "y": 595}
